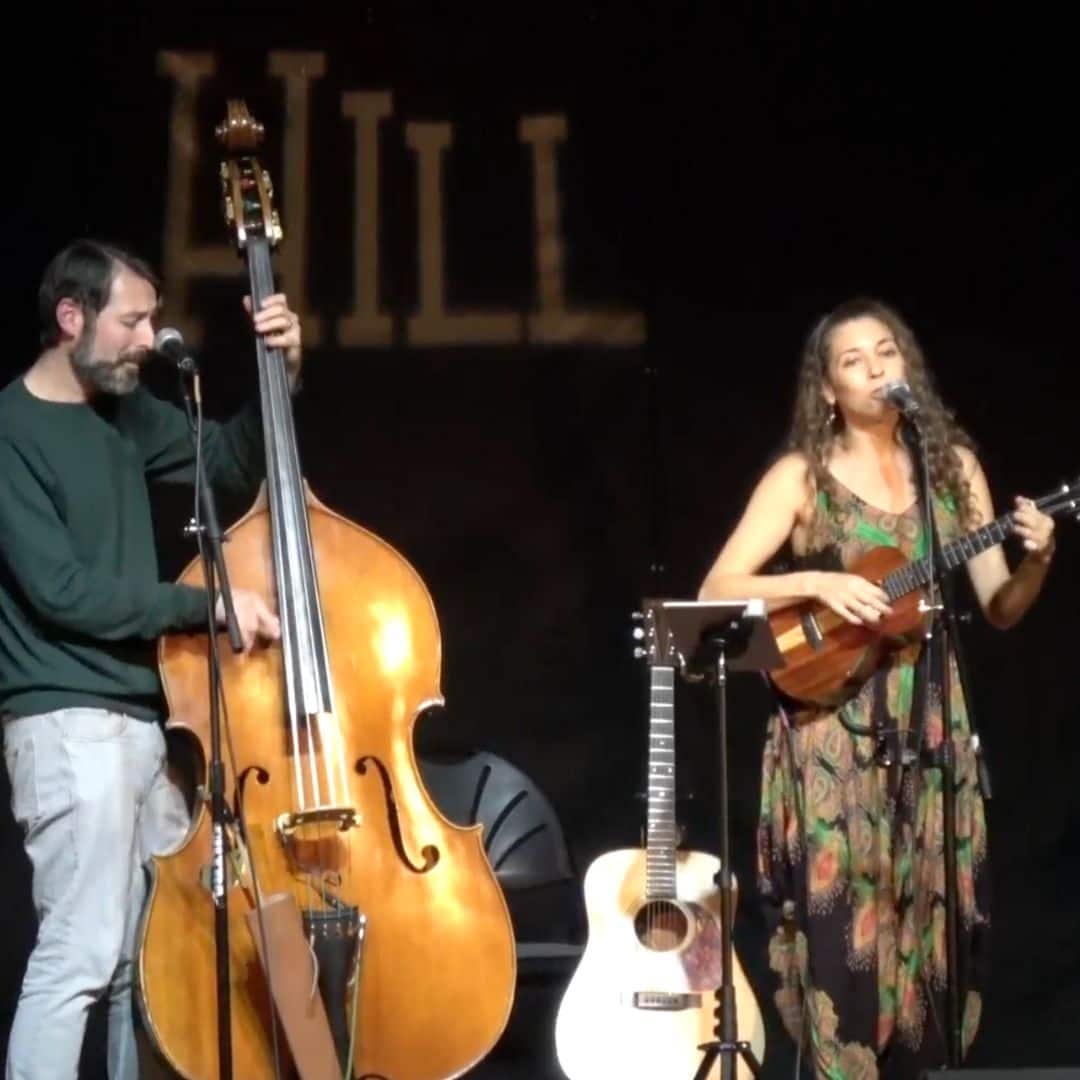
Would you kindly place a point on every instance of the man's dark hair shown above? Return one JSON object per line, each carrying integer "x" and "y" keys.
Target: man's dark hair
{"x": 84, "y": 272}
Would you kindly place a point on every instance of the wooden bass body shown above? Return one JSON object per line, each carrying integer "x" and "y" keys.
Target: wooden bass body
{"x": 436, "y": 977}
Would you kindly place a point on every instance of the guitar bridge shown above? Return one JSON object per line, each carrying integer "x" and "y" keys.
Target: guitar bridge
{"x": 653, "y": 1001}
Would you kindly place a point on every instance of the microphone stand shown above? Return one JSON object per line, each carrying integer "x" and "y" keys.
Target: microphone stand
{"x": 208, "y": 535}
{"x": 941, "y": 628}
{"x": 954, "y": 620}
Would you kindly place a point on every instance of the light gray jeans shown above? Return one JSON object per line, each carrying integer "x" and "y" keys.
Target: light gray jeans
{"x": 90, "y": 791}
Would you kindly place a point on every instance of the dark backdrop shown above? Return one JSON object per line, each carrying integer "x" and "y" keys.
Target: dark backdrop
{"x": 724, "y": 179}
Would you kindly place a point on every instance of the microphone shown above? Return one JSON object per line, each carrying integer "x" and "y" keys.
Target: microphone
{"x": 169, "y": 343}
{"x": 898, "y": 394}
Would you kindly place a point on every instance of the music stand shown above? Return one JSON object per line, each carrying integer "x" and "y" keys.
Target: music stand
{"x": 721, "y": 635}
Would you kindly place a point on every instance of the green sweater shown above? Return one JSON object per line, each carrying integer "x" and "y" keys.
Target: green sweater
{"x": 81, "y": 600}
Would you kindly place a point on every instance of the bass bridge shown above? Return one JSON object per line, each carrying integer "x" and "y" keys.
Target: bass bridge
{"x": 344, "y": 817}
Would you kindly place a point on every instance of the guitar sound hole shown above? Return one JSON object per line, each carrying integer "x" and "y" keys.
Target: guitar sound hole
{"x": 661, "y": 926}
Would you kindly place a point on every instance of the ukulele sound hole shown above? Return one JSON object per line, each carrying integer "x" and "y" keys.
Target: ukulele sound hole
{"x": 661, "y": 925}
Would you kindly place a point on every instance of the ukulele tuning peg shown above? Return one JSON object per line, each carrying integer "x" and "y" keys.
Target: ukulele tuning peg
{"x": 640, "y": 653}
{"x": 637, "y": 616}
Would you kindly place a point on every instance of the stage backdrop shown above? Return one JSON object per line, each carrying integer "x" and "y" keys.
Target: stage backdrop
{"x": 554, "y": 279}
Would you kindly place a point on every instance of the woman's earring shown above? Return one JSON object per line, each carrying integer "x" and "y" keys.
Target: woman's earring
{"x": 832, "y": 415}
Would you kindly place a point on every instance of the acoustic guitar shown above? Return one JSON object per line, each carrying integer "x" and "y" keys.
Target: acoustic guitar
{"x": 827, "y": 659}
{"x": 642, "y": 999}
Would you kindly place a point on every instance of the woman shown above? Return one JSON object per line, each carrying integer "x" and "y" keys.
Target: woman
{"x": 849, "y": 842}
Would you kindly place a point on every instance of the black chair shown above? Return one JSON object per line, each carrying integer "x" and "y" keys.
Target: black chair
{"x": 527, "y": 850}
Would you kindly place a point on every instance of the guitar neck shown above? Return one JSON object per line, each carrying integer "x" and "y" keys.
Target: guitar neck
{"x": 661, "y": 828}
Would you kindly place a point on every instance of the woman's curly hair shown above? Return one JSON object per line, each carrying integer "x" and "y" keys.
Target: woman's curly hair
{"x": 815, "y": 426}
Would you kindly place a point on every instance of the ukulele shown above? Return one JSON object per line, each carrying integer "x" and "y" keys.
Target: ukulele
{"x": 827, "y": 659}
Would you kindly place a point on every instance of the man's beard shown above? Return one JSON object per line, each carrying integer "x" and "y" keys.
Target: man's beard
{"x": 116, "y": 377}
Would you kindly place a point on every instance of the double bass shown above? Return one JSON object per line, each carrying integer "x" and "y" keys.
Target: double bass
{"x": 400, "y": 913}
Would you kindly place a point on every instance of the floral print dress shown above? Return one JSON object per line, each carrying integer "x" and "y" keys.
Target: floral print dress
{"x": 850, "y": 849}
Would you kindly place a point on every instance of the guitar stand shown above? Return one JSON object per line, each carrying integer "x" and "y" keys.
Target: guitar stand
{"x": 713, "y": 635}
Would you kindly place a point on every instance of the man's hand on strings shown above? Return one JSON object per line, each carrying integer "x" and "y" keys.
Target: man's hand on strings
{"x": 281, "y": 329}
{"x": 255, "y": 620}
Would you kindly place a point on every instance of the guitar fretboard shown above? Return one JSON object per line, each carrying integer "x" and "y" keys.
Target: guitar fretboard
{"x": 661, "y": 829}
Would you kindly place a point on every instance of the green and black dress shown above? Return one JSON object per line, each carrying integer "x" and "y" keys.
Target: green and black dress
{"x": 850, "y": 850}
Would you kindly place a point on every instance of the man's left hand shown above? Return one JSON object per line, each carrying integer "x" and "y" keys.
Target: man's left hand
{"x": 281, "y": 329}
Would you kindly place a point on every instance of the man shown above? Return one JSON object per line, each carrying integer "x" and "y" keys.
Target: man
{"x": 81, "y": 606}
